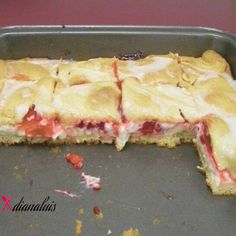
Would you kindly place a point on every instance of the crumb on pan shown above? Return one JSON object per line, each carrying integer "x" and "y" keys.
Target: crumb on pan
{"x": 78, "y": 227}
{"x": 131, "y": 232}
{"x": 55, "y": 150}
{"x": 156, "y": 221}
{"x": 97, "y": 212}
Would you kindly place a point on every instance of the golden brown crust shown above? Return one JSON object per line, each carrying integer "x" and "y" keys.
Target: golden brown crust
{"x": 93, "y": 70}
{"x": 163, "y": 102}
{"x": 14, "y": 139}
{"x": 17, "y": 96}
{"x": 210, "y": 61}
{"x": 162, "y": 69}
{"x": 93, "y": 101}
{"x": 163, "y": 141}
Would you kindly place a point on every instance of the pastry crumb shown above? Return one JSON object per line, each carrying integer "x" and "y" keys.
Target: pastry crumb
{"x": 33, "y": 226}
{"x": 81, "y": 211}
{"x": 131, "y": 232}
{"x": 78, "y": 227}
{"x": 156, "y": 221}
{"x": 201, "y": 169}
{"x": 18, "y": 177}
{"x": 109, "y": 202}
{"x": 99, "y": 216}
{"x": 98, "y": 213}
{"x": 55, "y": 150}
{"x": 16, "y": 167}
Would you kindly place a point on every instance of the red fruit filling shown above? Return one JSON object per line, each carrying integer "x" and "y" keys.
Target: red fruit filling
{"x": 97, "y": 187}
{"x": 96, "y": 210}
{"x": 34, "y": 125}
{"x": 91, "y": 125}
{"x": 150, "y": 127}
{"x": 75, "y": 159}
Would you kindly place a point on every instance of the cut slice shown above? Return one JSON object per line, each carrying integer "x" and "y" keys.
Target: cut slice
{"x": 152, "y": 69}
{"x": 93, "y": 70}
{"x": 215, "y": 143}
{"x": 89, "y": 112}
{"x": 22, "y": 99}
{"x": 31, "y": 69}
{"x": 209, "y": 62}
{"x": 159, "y": 114}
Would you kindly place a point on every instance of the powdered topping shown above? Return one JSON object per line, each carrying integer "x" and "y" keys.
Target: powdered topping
{"x": 66, "y": 193}
{"x": 91, "y": 182}
{"x": 132, "y": 68}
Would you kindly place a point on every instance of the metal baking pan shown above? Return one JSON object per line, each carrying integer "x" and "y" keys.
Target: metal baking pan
{"x": 157, "y": 190}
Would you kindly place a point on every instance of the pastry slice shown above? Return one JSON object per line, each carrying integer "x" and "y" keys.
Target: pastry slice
{"x": 202, "y": 67}
{"x": 88, "y": 112}
{"x": 26, "y": 111}
{"x": 215, "y": 95}
{"x": 215, "y": 99}
{"x": 215, "y": 142}
{"x": 31, "y": 69}
{"x": 93, "y": 70}
{"x": 152, "y": 69}
{"x": 160, "y": 114}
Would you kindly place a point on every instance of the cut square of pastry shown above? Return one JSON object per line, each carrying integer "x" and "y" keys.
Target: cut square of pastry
{"x": 201, "y": 67}
{"x": 30, "y": 69}
{"x": 215, "y": 95}
{"x": 89, "y": 112}
{"x": 152, "y": 69}
{"x": 216, "y": 145}
{"x": 215, "y": 98}
{"x": 26, "y": 110}
{"x": 155, "y": 113}
{"x": 93, "y": 70}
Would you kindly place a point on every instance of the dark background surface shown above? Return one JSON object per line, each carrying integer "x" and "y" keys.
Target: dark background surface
{"x": 209, "y": 13}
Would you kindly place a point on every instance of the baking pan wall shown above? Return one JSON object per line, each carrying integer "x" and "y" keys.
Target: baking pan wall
{"x": 85, "y": 42}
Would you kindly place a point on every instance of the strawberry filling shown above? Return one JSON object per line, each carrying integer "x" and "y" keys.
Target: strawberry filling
{"x": 224, "y": 175}
{"x": 150, "y": 127}
{"x": 34, "y": 125}
{"x": 153, "y": 128}
{"x": 106, "y": 130}
{"x": 76, "y": 160}
{"x": 91, "y": 125}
